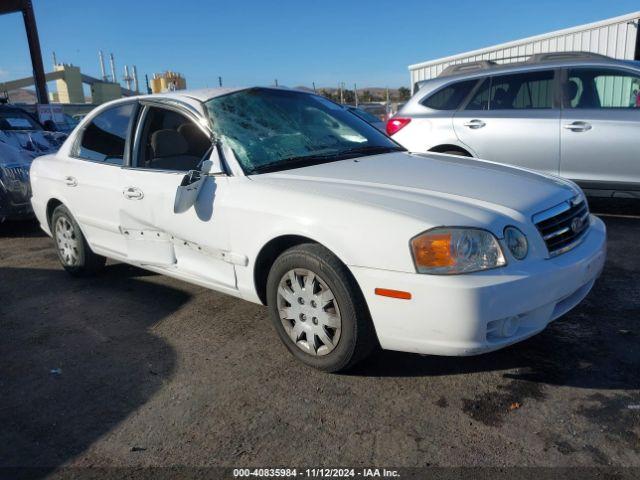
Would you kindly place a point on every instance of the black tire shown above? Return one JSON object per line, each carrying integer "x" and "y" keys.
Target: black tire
{"x": 84, "y": 262}
{"x": 357, "y": 338}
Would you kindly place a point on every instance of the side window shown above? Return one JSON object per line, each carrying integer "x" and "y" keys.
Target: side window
{"x": 171, "y": 141}
{"x": 601, "y": 88}
{"x": 450, "y": 97}
{"x": 480, "y": 100}
{"x": 104, "y": 139}
{"x": 533, "y": 90}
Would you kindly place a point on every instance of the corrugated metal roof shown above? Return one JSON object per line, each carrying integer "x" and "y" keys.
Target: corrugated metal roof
{"x": 614, "y": 37}
{"x": 515, "y": 43}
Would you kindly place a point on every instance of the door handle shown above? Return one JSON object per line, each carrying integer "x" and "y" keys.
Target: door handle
{"x": 70, "y": 181}
{"x": 133, "y": 193}
{"x": 578, "y": 126}
{"x": 475, "y": 123}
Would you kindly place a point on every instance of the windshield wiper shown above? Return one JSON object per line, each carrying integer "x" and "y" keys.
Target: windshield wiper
{"x": 372, "y": 150}
{"x": 307, "y": 160}
{"x": 294, "y": 162}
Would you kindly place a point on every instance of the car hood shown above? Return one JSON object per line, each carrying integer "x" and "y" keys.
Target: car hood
{"x": 22, "y": 146}
{"x": 412, "y": 183}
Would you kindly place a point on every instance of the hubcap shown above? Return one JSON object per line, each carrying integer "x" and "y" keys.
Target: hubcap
{"x": 309, "y": 311}
{"x": 67, "y": 242}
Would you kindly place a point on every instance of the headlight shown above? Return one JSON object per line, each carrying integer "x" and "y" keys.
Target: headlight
{"x": 448, "y": 251}
{"x": 516, "y": 242}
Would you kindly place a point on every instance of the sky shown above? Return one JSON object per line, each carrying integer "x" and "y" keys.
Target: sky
{"x": 370, "y": 43}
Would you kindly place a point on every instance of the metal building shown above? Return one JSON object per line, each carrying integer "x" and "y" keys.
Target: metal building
{"x": 615, "y": 37}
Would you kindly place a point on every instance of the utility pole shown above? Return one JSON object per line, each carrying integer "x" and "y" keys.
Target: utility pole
{"x": 355, "y": 91}
{"x": 342, "y": 93}
{"x": 388, "y": 108}
{"x": 220, "y": 81}
{"x": 314, "y": 86}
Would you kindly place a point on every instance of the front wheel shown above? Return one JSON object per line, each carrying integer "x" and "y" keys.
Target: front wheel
{"x": 74, "y": 252}
{"x": 318, "y": 309}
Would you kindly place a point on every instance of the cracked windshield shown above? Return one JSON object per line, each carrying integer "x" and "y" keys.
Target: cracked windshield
{"x": 270, "y": 130}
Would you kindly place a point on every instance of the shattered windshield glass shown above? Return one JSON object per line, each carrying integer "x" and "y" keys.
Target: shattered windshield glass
{"x": 271, "y": 130}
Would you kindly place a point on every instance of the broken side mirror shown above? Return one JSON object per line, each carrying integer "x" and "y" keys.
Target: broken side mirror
{"x": 191, "y": 184}
{"x": 188, "y": 191}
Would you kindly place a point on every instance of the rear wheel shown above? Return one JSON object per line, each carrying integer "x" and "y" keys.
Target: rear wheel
{"x": 318, "y": 310}
{"x": 74, "y": 253}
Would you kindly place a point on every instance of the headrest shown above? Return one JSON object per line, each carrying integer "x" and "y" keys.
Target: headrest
{"x": 500, "y": 95}
{"x": 168, "y": 143}
{"x": 572, "y": 90}
{"x": 188, "y": 130}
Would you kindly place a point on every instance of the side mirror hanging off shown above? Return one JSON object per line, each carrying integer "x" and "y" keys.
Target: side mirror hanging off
{"x": 187, "y": 192}
{"x": 191, "y": 184}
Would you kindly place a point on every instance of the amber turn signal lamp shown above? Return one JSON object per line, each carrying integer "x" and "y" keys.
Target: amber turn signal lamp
{"x": 385, "y": 292}
{"x": 433, "y": 250}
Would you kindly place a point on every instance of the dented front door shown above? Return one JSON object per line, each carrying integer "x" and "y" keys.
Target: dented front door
{"x": 194, "y": 243}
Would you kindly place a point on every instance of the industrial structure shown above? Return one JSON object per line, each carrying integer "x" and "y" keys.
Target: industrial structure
{"x": 26, "y": 8}
{"x": 615, "y": 37}
{"x": 69, "y": 79}
{"x": 167, "y": 82}
{"x": 69, "y": 86}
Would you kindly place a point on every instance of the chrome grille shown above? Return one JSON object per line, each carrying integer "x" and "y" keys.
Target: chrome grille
{"x": 16, "y": 182}
{"x": 563, "y": 226}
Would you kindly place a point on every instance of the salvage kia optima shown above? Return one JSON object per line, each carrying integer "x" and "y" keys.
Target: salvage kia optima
{"x": 284, "y": 198}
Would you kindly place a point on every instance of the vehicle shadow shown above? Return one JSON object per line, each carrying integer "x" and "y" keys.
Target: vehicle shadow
{"x": 615, "y": 206}
{"x": 593, "y": 346}
{"x": 25, "y": 228}
{"x": 78, "y": 357}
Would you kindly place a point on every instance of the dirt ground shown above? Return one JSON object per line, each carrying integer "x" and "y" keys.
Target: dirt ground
{"x": 132, "y": 368}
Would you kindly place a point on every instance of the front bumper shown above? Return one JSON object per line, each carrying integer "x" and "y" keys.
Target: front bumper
{"x": 13, "y": 208}
{"x": 465, "y": 314}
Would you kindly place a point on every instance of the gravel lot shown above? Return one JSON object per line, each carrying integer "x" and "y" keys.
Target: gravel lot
{"x": 153, "y": 371}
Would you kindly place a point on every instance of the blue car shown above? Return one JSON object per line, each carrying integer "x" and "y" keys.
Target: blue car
{"x": 22, "y": 138}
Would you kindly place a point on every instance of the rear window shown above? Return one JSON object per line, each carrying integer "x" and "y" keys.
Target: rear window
{"x": 450, "y": 97}
{"x": 366, "y": 116}
{"x": 17, "y": 120}
{"x": 522, "y": 91}
{"x": 594, "y": 88}
{"x": 375, "y": 110}
{"x": 105, "y": 137}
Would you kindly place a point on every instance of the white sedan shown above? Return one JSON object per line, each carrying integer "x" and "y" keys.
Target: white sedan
{"x": 283, "y": 198}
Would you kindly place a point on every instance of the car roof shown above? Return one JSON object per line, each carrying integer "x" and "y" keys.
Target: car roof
{"x": 492, "y": 69}
{"x": 205, "y": 94}
{"x": 192, "y": 98}
{"x": 202, "y": 94}
{"x": 12, "y": 108}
